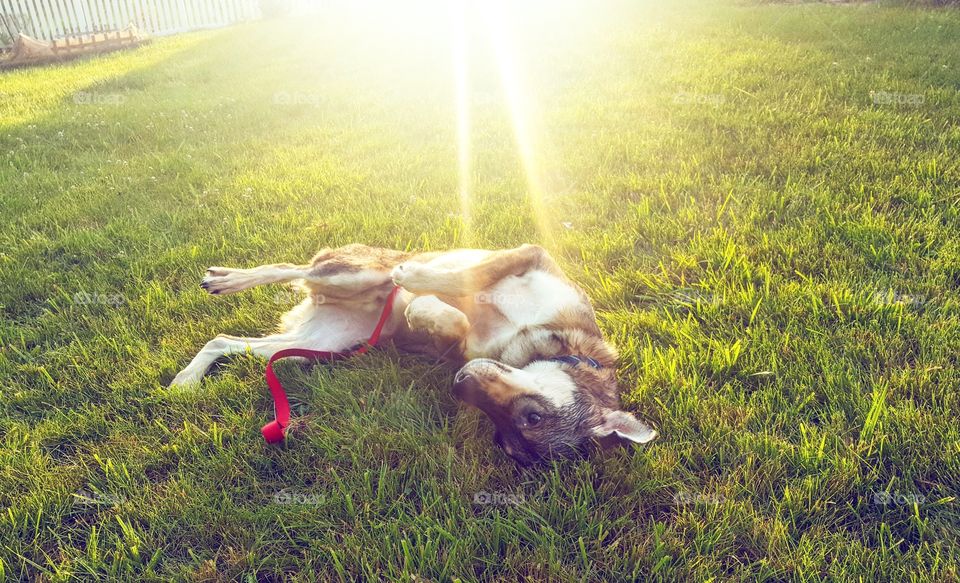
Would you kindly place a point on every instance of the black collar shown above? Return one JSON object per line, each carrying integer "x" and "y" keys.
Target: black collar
{"x": 576, "y": 360}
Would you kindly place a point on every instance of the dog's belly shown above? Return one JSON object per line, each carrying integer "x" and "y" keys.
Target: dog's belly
{"x": 512, "y": 306}
{"x": 332, "y": 326}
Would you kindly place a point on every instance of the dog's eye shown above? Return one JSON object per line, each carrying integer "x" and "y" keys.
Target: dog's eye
{"x": 533, "y": 418}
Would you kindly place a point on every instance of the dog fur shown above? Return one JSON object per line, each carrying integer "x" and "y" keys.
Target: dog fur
{"x": 502, "y": 316}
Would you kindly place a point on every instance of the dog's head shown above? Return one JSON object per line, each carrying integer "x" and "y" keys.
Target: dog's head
{"x": 548, "y": 408}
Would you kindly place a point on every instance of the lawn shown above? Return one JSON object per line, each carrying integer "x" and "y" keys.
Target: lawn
{"x": 762, "y": 200}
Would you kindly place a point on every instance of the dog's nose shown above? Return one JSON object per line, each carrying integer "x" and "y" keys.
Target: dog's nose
{"x": 463, "y": 385}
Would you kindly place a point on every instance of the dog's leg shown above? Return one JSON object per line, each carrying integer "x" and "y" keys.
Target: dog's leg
{"x": 481, "y": 272}
{"x": 309, "y": 325}
{"x": 337, "y": 280}
{"x": 224, "y": 345}
{"x": 441, "y": 321}
{"x": 228, "y": 280}
{"x": 340, "y": 273}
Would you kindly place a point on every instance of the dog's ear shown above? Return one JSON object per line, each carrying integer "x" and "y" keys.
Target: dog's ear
{"x": 625, "y": 426}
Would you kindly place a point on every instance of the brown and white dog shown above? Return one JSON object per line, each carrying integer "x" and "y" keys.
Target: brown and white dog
{"x": 533, "y": 358}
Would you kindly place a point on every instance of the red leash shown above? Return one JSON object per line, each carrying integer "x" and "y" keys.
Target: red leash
{"x": 276, "y": 430}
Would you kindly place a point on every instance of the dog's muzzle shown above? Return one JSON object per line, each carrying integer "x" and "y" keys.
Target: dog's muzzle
{"x": 468, "y": 384}
{"x": 472, "y": 384}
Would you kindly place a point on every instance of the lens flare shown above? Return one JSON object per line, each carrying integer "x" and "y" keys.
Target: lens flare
{"x": 461, "y": 74}
{"x": 520, "y": 109}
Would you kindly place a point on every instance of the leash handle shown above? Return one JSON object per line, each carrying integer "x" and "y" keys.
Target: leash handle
{"x": 276, "y": 430}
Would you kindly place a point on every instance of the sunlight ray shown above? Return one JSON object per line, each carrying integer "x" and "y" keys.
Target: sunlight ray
{"x": 461, "y": 71}
{"x": 520, "y": 111}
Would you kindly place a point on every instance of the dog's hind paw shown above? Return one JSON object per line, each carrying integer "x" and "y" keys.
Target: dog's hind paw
{"x": 223, "y": 280}
{"x": 186, "y": 379}
{"x": 430, "y": 315}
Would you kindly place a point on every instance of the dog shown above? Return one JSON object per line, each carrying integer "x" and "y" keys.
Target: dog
{"x": 524, "y": 336}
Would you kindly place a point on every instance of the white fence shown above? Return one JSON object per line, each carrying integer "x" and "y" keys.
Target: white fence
{"x": 50, "y": 19}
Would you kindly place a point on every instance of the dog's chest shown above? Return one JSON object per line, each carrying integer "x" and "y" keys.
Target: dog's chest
{"x": 515, "y": 303}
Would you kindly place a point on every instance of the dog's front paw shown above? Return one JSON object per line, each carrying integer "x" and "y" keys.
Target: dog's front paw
{"x": 414, "y": 277}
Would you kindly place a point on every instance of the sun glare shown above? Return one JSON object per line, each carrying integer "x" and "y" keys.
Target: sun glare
{"x": 482, "y": 39}
{"x": 520, "y": 108}
{"x": 461, "y": 72}
{"x": 494, "y": 22}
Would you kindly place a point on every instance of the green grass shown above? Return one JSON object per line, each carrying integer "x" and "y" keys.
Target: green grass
{"x": 775, "y": 252}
